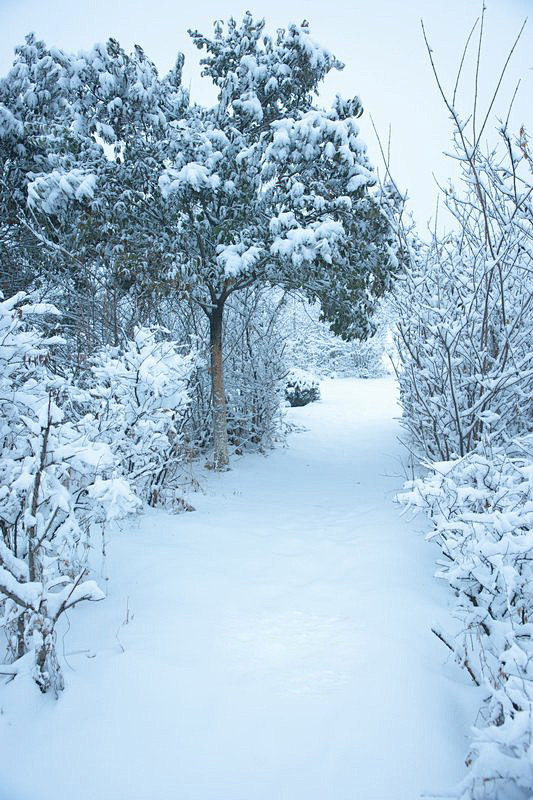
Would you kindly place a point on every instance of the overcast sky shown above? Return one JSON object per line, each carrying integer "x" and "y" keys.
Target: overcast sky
{"x": 379, "y": 41}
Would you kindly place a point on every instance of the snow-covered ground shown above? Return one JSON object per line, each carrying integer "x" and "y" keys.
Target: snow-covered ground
{"x": 273, "y": 645}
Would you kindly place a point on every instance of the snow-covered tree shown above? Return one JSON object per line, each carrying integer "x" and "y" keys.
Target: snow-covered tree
{"x": 32, "y": 124}
{"x": 268, "y": 188}
{"x": 264, "y": 188}
{"x": 65, "y": 120}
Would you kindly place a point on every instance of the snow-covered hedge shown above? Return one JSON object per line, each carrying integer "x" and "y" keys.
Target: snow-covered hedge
{"x": 481, "y": 507}
{"x": 301, "y": 388}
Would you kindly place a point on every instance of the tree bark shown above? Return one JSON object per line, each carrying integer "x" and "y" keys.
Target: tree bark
{"x": 218, "y": 396}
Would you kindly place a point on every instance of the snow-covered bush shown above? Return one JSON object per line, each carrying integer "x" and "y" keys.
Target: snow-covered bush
{"x": 54, "y": 483}
{"x": 301, "y": 388}
{"x": 140, "y": 405}
{"x": 481, "y": 507}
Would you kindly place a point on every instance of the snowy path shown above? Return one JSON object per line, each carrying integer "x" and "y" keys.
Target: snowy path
{"x": 279, "y": 646}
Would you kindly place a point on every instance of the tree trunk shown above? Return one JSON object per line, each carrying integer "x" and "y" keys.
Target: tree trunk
{"x": 220, "y": 416}
{"x": 46, "y": 671}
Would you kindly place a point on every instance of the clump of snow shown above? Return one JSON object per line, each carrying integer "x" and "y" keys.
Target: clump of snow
{"x": 191, "y": 176}
{"x": 52, "y": 192}
{"x": 237, "y": 259}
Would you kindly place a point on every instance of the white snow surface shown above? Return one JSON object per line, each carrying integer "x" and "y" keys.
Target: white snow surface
{"x": 278, "y": 645}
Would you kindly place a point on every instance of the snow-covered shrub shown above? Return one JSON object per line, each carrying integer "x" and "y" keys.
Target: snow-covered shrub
{"x": 463, "y": 363}
{"x": 301, "y": 388}
{"x": 481, "y": 507}
{"x": 54, "y": 483}
{"x": 464, "y": 303}
{"x": 140, "y": 405}
{"x": 465, "y": 337}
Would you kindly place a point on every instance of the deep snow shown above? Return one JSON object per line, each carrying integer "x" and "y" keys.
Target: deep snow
{"x": 278, "y": 642}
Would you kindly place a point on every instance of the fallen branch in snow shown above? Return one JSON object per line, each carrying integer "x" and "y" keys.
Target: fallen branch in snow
{"x": 9, "y": 670}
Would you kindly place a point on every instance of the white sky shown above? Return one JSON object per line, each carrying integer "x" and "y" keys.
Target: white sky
{"x": 380, "y": 42}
